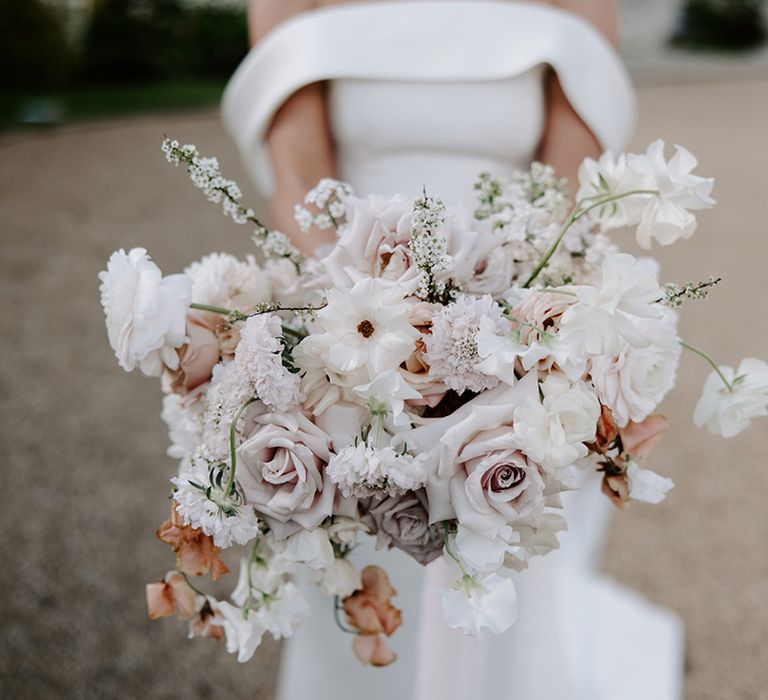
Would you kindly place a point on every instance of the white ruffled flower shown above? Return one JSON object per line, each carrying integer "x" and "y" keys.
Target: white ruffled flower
{"x": 647, "y": 486}
{"x": 262, "y": 576}
{"x": 361, "y": 471}
{"x": 500, "y": 352}
{"x": 452, "y": 350}
{"x": 666, "y": 217}
{"x": 553, "y": 432}
{"x": 390, "y": 390}
{"x": 242, "y": 628}
{"x": 365, "y": 327}
{"x": 607, "y": 313}
{"x": 728, "y": 412}
{"x": 340, "y": 579}
{"x": 145, "y": 312}
{"x": 259, "y": 358}
{"x": 222, "y": 280}
{"x": 184, "y": 418}
{"x": 474, "y": 606}
{"x": 202, "y": 503}
{"x": 283, "y": 612}
{"x": 310, "y": 547}
{"x": 634, "y": 382}
{"x": 228, "y": 390}
{"x": 481, "y": 553}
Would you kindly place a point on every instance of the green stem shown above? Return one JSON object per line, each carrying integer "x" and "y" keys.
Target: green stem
{"x": 233, "y": 444}
{"x": 713, "y": 364}
{"x": 336, "y": 608}
{"x": 576, "y": 213}
{"x": 192, "y": 585}
{"x": 212, "y": 309}
{"x": 292, "y": 331}
{"x": 450, "y": 552}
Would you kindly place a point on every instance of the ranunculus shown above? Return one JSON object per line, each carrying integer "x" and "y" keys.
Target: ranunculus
{"x": 727, "y": 412}
{"x": 403, "y": 522}
{"x": 281, "y": 469}
{"x": 145, "y": 312}
{"x": 636, "y": 380}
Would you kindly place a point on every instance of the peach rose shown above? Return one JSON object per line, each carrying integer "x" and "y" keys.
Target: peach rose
{"x": 197, "y": 358}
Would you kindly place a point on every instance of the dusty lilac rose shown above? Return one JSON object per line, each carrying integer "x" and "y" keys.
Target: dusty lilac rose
{"x": 281, "y": 469}
{"x": 496, "y": 483}
{"x": 403, "y": 522}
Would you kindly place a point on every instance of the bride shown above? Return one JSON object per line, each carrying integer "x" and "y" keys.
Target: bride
{"x": 391, "y": 96}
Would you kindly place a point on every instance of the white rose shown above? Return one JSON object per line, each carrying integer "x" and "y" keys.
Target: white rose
{"x": 634, "y": 382}
{"x": 553, "y": 431}
{"x": 146, "y": 312}
{"x": 727, "y": 413}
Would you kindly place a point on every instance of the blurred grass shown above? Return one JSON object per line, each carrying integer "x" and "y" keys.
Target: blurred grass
{"x": 93, "y": 102}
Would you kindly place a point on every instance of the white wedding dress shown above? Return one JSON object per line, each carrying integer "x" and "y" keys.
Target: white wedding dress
{"x": 431, "y": 93}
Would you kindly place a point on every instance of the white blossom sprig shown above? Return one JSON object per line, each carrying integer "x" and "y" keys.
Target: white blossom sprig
{"x": 205, "y": 174}
{"x": 429, "y": 250}
{"x": 329, "y": 197}
{"x": 675, "y": 294}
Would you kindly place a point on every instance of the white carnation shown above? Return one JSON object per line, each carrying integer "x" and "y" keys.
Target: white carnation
{"x": 145, "y": 312}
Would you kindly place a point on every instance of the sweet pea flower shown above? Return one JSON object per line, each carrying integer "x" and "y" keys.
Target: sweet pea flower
{"x": 476, "y": 605}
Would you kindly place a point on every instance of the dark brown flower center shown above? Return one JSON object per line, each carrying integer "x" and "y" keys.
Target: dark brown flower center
{"x": 365, "y": 328}
{"x": 507, "y": 477}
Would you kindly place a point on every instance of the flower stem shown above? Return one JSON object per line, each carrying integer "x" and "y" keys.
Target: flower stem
{"x": 336, "y": 608}
{"x": 233, "y": 444}
{"x": 212, "y": 309}
{"x": 714, "y": 364}
{"x": 192, "y": 585}
{"x": 450, "y": 552}
{"x": 576, "y": 213}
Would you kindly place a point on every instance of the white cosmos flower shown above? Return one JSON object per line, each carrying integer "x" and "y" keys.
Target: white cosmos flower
{"x": 146, "y": 312}
{"x": 608, "y": 313}
{"x": 243, "y": 629}
{"x": 647, "y": 486}
{"x": 727, "y": 413}
{"x": 475, "y": 606}
{"x": 391, "y": 390}
{"x": 553, "y": 431}
{"x": 365, "y": 327}
{"x": 634, "y": 382}
{"x": 666, "y": 217}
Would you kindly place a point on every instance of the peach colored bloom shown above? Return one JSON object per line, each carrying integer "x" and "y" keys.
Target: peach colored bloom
{"x": 195, "y": 552}
{"x": 639, "y": 439}
{"x": 197, "y": 358}
{"x": 370, "y": 612}
{"x": 171, "y": 596}
{"x": 203, "y": 624}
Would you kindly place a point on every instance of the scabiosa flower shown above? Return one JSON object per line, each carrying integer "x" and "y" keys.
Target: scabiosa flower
{"x": 259, "y": 358}
{"x": 145, "y": 312}
{"x": 202, "y": 502}
{"x": 361, "y": 471}
{"x": 452, "y": 351}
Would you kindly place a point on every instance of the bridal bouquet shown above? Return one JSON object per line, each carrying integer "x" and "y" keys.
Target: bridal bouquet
{"x": 436, "y": 379}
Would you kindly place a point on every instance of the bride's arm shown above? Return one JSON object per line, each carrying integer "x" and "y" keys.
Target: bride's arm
{"x": 567, "y": 140}
{"x": 299, "y": 139}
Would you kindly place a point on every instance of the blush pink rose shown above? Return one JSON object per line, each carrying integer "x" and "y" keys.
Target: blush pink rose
{"x": 281, "y": 469}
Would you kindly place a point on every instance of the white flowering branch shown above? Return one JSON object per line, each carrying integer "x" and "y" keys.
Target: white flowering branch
{"x": 577, "y": 212}
{"x": 206, "y": 175}
{"x": 674, "y": 294}
{"x": 428, "y": 250}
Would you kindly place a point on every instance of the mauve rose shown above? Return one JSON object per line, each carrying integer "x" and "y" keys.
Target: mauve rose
{"x": 197, "y": 358}
{"x": 281, "y": 469}
{"x": 496, "y": 483}
{"x": 403, "y": 522}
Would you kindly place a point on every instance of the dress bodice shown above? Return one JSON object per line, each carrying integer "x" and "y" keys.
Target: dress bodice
{"x": 401, "y": 136}
{"x": 429, "y": 93}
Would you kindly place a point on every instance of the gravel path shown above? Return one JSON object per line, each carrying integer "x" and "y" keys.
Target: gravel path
{"x": 82, "y": 444}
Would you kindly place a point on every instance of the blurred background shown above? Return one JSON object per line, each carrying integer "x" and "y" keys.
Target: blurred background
{"x": 89, "y": 88}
